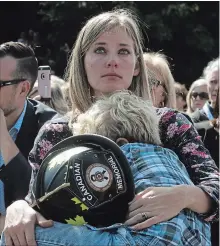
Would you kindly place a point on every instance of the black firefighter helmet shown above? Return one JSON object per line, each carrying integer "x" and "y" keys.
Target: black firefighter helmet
{"x": 84, "y": 179}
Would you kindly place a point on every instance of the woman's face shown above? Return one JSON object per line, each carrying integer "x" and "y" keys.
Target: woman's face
{"x": 199, "y": 96}
{"x": 180, "y": 103}
{"x": 159, "y": 92}
{"x": 213, "y": 85}
{"x": 159, "y": 95}
{"x": 110, "y": 62}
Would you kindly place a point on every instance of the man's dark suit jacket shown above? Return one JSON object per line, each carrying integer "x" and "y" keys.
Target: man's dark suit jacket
{"x": 210, "y": 138}
{"x": 16, "y": 174}
{"x": 209, "y": 135}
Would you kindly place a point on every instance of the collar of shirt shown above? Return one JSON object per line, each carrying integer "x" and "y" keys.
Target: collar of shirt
{"x": 17, "y": 126}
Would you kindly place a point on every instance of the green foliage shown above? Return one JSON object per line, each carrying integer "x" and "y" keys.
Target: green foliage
{"x": 185, "y": 31}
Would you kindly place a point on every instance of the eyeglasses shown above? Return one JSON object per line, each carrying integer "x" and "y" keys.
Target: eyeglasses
{"x": 11, "y": 82}
{"x": 181, "y": 94}
{"x": 202, "y": 95}
{"x": 159, "y": 83}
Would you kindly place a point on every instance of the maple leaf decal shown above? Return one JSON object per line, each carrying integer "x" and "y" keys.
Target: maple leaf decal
{"x": 82, "y": 205}
{"x": 79, "y": 220}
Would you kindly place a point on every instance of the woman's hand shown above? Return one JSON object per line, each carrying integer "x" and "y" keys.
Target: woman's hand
{"x": 20, "y": 224}
{"x": 155, "y": 205}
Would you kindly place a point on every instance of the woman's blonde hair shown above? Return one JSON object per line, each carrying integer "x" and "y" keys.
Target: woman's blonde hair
{"x": 157, "y": 65}
{"x": 121, "y": 115}
{"x": 80, "y": 90}
{"x": 196, "y": 83}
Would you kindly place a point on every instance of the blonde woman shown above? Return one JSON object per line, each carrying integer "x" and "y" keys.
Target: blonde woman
{"x": 161, "y": 79}
{"x": 197, "y": 95}
{"x": 108, "y": 56}
{"x": 181, "y": 93}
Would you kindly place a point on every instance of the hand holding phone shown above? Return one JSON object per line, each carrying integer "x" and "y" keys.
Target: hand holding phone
{"x": 44, "y": 84}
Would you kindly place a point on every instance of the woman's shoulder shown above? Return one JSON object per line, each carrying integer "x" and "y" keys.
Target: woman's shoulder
{"x": 165, "y": 114}
{"x": 51, "y": 133}
{"x": 56, "y": 122}
{"x": 58, "y": 126}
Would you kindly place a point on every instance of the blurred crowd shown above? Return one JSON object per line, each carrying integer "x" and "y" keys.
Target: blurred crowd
{"x": 202, "y": 93}
{"x": 188, "y": 119}
{"x": 44, "y": 52}
{"x": 169, "y": 93}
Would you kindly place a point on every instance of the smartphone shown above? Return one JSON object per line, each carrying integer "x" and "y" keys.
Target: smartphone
{"x": 44, "y": 85}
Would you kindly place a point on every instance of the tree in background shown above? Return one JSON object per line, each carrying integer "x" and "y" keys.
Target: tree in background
{"x": 187, "y": 32}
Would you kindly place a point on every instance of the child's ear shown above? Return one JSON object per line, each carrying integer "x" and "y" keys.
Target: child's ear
{"x": 121, "y": 141}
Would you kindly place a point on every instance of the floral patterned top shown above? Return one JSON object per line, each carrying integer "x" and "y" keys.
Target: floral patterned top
{"x": 176, "y": 132}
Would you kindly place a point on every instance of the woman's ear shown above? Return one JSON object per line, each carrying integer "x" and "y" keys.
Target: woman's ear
{"x": 121, "y": 141}
{"x": 137, "y": 68}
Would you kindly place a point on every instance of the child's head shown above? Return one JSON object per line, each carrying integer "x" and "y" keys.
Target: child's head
{"x": 121, "y": 115}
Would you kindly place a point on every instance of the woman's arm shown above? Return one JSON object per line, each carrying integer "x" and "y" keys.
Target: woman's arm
{"x": 195, "y": 198}
{"x": 21, "y": 218}
{"x": 178, "y": 134}
{"x": 49, "y": 135}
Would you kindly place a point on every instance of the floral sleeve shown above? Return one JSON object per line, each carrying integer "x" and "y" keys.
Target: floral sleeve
{"x": 178, "y": 133}
{"x": 49, "y": 135}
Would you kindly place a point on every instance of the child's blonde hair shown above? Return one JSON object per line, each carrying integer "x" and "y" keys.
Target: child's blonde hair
{"x": 121, "y": 115}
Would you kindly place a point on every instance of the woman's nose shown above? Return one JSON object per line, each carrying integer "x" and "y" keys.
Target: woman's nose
{"x": 112, "y": 62}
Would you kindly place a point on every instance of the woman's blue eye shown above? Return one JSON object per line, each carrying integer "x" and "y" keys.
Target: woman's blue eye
{"x": 124, "y": 51}
{"x": 100, "y": 50}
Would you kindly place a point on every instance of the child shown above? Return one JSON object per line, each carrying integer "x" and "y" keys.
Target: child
{"x": 130, "y": 122}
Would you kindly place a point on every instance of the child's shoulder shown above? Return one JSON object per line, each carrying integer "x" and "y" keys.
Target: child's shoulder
{"x": 141, "y": 147}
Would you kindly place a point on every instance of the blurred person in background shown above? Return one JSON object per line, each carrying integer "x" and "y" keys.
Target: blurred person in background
{"x": 211, "y": 76}
{"x": 65, "y": 89}
{"x": 197, "y": 95}
{"x": 36, "y": 40}
{"x": 161, "y": 80}
{"x": 206, "y": 122}
{"x": 181, "y": 93}
{"x": 23, "y": 38}
{"x": 30, "y": 37}
{"x": 57, "y": 100}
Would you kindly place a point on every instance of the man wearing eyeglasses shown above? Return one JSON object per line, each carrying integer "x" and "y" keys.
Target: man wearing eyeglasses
{"x": 204, "y": 119}
{"x": 20, "y": 120}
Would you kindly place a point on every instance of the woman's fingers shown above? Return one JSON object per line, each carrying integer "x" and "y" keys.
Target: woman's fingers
{"x": 135, "y": 205}
{"x": 139, "y": 217}
{"x": 8, "y": 239}
{"x": 30, "y": 235}
{"x": 15, "y": 240}
{"x": 147, "y": 223}
{"x": 21, "y": 238}
{"x": 134, "y": 220}
{"x": 135, "y": 212}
